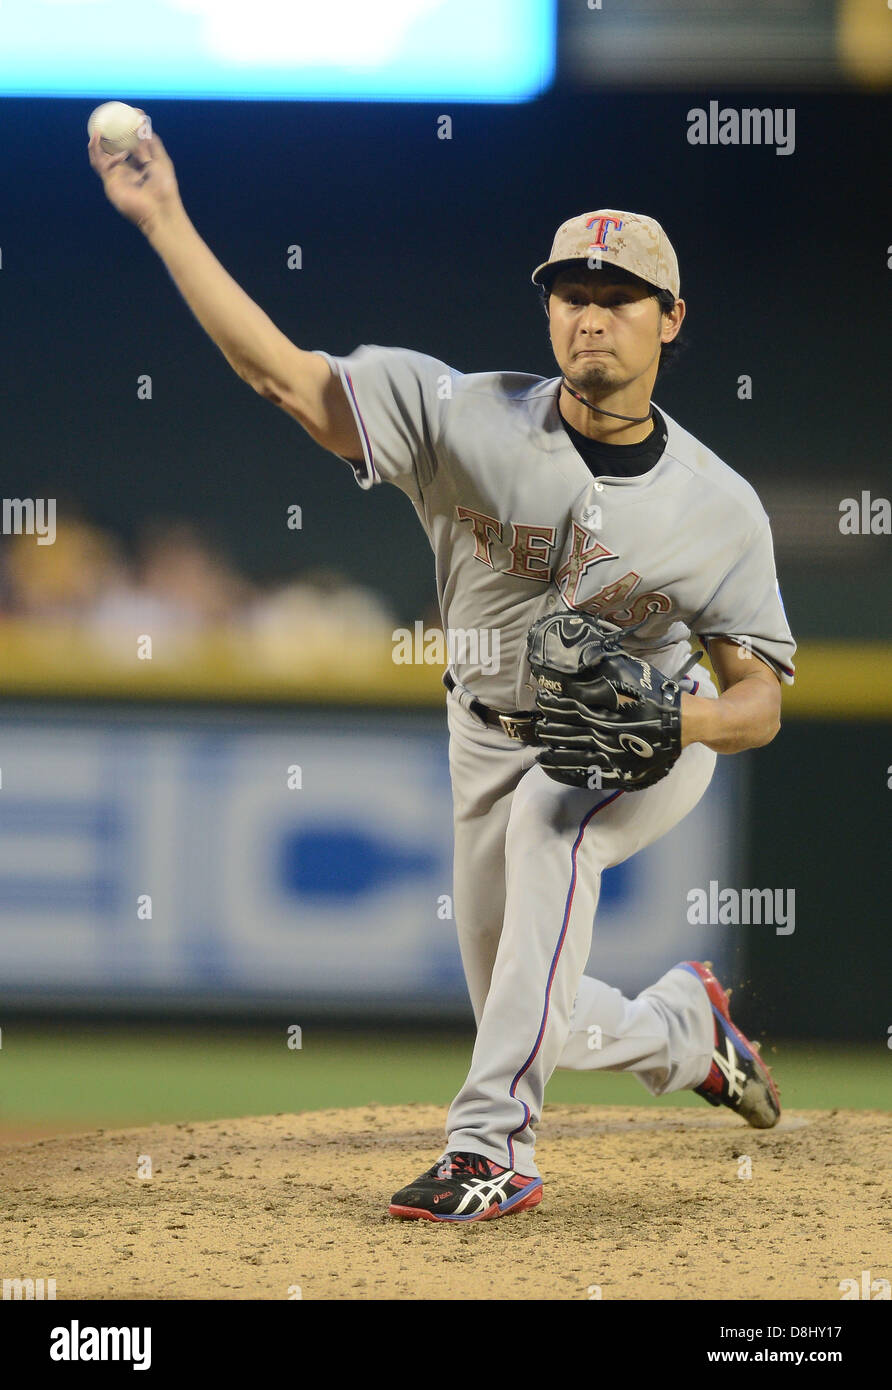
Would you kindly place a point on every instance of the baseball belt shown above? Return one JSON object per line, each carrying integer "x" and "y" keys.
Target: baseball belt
{"x": 518, "y": 724}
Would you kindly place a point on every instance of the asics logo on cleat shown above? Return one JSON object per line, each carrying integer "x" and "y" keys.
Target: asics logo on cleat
{"x": 730, "y": 1071}
{"x": 484, "y": 1193}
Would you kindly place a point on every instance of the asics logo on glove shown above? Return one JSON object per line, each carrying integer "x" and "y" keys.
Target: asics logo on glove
{"x": 633, "y": 744}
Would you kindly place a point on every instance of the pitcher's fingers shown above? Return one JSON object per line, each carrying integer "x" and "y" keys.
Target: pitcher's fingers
{"x": 103, "y": 163}
{"x": 142, "y": 155}
{"x": 157, "y": 150}
{"x": 95, "y": 151}
{"x": 141, "y": 158}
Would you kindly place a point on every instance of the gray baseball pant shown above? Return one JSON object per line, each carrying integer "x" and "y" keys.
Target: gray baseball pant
{"x": 529, "y": 854}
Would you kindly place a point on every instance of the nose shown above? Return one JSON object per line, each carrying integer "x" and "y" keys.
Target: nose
{"x": 594, "y": 318}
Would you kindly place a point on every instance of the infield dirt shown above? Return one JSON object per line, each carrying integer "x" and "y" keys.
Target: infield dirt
{"x": 638, "y": 1204}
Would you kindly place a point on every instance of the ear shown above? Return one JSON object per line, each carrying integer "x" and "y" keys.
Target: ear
{"x": 670, "y": 324}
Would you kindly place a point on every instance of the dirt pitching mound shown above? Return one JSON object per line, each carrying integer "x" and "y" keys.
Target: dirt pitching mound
{"x": 639, "y": 1203}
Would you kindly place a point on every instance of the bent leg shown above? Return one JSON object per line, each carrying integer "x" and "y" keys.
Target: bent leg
{"x": 666, "y": 1034}
{"x": 559, "y": 841}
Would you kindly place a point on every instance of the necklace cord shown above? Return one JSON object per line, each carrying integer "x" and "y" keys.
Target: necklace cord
{"x": 632, "y": 419}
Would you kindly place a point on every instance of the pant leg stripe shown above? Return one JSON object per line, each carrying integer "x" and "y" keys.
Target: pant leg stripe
{"x": 553, "y": 968}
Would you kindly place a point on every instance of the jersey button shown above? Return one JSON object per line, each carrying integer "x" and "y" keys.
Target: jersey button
{"x": 599, "y": 487}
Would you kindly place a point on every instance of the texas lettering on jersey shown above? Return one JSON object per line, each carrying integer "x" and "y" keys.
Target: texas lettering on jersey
{"x": 530, "y": 548}
{"x": 517, "y": 522}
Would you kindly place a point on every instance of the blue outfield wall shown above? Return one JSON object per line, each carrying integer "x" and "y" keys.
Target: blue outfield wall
{"x": 291, "y": 858}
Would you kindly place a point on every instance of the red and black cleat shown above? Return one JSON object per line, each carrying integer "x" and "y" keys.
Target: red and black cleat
{"x": 738, "y": 1077}
{"x": 466, "y": 1187}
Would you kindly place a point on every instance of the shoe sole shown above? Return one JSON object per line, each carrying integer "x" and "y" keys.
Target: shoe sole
{"x": 521, "y": 1201}
{"x": 721, "y": 1008}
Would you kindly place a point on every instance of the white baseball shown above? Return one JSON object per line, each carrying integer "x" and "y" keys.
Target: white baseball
{"x": 118, "y": 125}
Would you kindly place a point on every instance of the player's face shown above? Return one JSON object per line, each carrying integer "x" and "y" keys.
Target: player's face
{"x": 605, "y": 334}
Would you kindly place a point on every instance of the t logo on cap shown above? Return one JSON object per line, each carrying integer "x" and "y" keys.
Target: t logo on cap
{"x": 629, "y": 241}
{"x": 602, "y": 223}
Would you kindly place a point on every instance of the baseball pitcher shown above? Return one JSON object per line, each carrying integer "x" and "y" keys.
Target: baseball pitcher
{"x": 599, "y": 540}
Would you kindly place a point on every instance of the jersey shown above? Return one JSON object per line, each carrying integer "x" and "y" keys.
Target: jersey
{"x": 518, "y": 524}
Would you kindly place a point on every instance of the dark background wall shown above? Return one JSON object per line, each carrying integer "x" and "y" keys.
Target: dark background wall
{"x": 818, "y": 823}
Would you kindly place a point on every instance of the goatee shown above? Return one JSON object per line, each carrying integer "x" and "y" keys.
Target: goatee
{"x": 593, "y": 377}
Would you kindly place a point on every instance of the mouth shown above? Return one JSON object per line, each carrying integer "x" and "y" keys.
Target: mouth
{"x": 592, "y": 352}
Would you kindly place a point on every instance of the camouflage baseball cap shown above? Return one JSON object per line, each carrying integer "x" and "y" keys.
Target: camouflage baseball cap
{"x": 605, "y": 238}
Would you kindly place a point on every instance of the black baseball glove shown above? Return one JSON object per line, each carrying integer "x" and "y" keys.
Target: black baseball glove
{"x": 607, "y": 719}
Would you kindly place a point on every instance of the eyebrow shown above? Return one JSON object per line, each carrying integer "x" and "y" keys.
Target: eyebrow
{"x": 584, "y": 285}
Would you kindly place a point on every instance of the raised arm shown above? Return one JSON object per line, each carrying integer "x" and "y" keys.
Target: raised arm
{"x": 144, "y": 190}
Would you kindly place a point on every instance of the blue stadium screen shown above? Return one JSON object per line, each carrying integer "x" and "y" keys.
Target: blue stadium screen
{"x": 389, "y": 50}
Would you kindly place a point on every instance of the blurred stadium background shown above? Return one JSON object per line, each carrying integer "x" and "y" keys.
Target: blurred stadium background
{"x": 271, "y": 779}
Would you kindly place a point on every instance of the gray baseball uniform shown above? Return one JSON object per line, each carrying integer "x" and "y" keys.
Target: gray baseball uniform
{"x": 519, "y": 524}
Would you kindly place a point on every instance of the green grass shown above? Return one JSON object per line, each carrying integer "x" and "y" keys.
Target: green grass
{"x": 81, "y": 1077}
